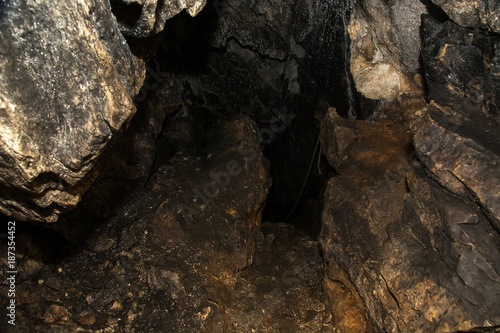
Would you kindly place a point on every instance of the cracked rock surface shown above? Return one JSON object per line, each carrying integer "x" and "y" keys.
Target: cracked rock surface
{"x": 67, "y": 81}
{"x": 421, "y": 258}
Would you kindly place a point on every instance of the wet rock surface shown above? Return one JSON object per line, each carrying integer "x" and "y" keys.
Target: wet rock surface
{"x": 421, "y": 258}
{"x": 169, "y": 236}
{"x": 67, "y": 83}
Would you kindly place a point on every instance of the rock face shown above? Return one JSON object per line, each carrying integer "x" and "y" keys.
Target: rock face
{"x": 457, "y": 135}
{"x": 170, "y": 255}
{"x": 483, "y": 14}
{"x": 68, "y": 78}
{"x": 385, "y": 47}
{"x": 421, "y": 258}
{"x": 418, "y": 238}
{"x": 67, "y": 84}
{"x": 142, "y": 18}
{"x": 462, "y": 68}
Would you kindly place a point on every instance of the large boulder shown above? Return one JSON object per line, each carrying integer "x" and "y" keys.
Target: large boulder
{"x": 421, "y": 258}
{"x": 67, "y": 81}
{"x": 67, "y": 84}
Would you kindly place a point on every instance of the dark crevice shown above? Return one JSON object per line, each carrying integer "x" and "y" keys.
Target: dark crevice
{"x": 126, "y": 13}
{"x": 435, "y": 11}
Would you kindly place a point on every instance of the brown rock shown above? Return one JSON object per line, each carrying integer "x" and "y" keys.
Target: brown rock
{"x": 420, "y": 258}
{"x": 55, "y": 314}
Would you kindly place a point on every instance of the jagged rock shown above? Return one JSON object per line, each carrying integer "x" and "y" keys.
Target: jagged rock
{"x": 67, "y": 81}
{"x": 457, "y": 136}
{"x": 266, "y": 27}
{"x": 307, "y": 37}
{"x": 462, "y": 68}
{"x": 171, "y": 254}
{"x": 385, "y": 47}
{"x": 462, "y": 154}
{"x": 375, "y": 76}
{"x": 420, "y": 258}
{"x": 141, "y": 18}
{"x": 129, "y": 161}
{"x": 483, "y": 14}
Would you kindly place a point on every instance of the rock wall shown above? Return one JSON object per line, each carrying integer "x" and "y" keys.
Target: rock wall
{"x": 421, "y": 258}
{"x": 68, "y": 78}
{"x": 412, "y": 216}
{"x": 483, "y": 14}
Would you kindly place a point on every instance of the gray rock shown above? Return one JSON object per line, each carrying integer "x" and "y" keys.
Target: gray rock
{"x": 457, "y": 136}
{"x": 67, "y": 81}
{"x": 483, "y": 14}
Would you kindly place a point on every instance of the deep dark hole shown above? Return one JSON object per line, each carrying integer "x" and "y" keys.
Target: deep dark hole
{"x": 126, "y": 13}
{"x": 289, "y": 126}
{"x": 435, "y": 11}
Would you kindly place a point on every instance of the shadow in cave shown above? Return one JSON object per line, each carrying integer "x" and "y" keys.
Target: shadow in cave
{"x": 298, "y": 169}
{"x": 33, "y": 242}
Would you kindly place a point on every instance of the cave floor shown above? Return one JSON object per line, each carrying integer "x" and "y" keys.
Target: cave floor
{"x": 98, "y": 292}
{"x": 149, "y": 268}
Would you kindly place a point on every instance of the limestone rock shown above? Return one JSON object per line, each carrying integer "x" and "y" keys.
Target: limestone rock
{"x": 483, "y": 14}
{"x": 457, "y": 136}
{"x": 462, "y": 69}
{"x": 142, "y": 18}
{"x": 463, "y": 155}
{"x": 67, "y": 81}
{"x": 385, "y": 47}
{"x": 266, "y": 27}
{"x": 420, "y": 258}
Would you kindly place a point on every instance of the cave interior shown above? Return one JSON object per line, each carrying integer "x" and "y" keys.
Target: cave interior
{"x": 291, "y": 166}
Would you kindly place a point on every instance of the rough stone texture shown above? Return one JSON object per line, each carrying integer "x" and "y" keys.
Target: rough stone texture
{"x": 266, "y": 27}
{"x": 309, "y": 36}
{"x": 462, "y": 69}
{"x": 67, "y": 81}
{"x": 142, "y": 18}
{"x": 463, "y": 155}
{"x": 374, "y": 74}
{"x": 457, "y": 136}
{"x": 152, "y": 267}
{"x": 385, "y": 47}
{"x": 483, "y": 14}
{"x": 420, "y": 258}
